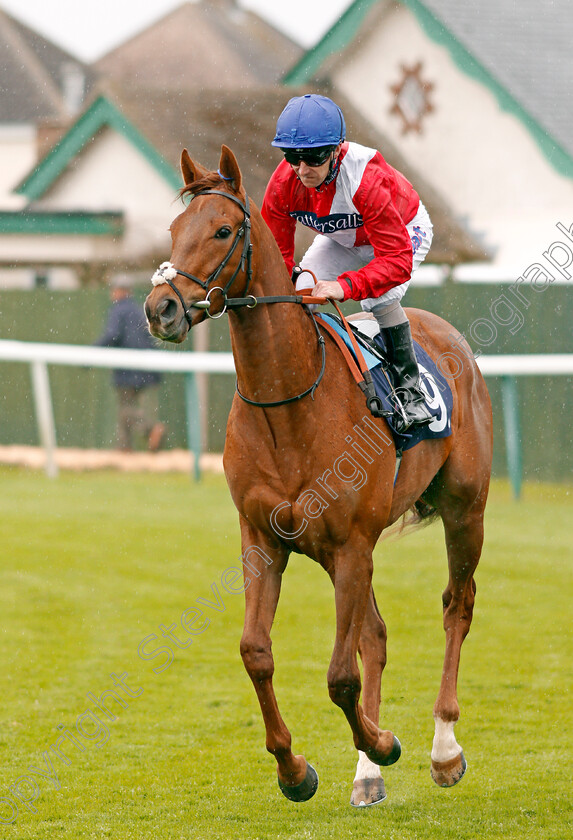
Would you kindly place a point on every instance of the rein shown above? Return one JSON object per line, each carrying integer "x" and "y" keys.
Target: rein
{"x": 167, "y": 272}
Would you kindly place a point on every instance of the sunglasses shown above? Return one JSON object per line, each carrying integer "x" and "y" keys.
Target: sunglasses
{"x": 312, "y": 157}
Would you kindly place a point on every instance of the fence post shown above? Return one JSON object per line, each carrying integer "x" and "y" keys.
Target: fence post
{"x": 512, "y": 432}
{"x": 193, "y": 422}
{"x": 45, "y": 415}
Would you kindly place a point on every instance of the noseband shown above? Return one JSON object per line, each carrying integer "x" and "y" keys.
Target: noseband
{"x": 167, "y": 271}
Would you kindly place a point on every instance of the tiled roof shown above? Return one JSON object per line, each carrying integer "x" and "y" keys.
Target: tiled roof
{"x": 161, "y": 124}
{"x": 212, "y": 44}
{"x": 33, "y": 74}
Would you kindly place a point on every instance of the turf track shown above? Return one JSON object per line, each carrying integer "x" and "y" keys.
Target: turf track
{"x": 93, "y": 564}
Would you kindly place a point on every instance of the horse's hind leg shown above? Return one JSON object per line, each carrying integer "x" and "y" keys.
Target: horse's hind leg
{"x": 368, "y": 787}
{"x": 464, "y": 539}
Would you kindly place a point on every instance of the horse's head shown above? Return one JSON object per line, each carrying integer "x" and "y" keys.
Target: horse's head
{"x": 210, "y": 257}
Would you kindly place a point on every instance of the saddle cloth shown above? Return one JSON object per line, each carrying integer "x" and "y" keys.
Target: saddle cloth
{"x": 434, "y": 385}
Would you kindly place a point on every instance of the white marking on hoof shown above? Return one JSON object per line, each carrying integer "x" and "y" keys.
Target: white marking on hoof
{"x": 445, "y": 746}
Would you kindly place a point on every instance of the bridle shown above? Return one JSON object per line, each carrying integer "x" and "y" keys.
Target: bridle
{"x": 167, "y": 272}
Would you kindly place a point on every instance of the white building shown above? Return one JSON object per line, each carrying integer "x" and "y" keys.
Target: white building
{"x": 476, "y": 97}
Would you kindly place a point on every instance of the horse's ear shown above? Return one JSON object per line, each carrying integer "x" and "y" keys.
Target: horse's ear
{"x": 190, "y": 170}
{"x": 229, "y": 168}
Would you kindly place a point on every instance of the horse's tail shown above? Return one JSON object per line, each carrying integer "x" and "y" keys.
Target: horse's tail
{"x": 423, "y": 513}
{"x": 420, "y": 515}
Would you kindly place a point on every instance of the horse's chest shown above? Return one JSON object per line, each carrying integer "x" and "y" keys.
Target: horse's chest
{"x": 296, "y": 499}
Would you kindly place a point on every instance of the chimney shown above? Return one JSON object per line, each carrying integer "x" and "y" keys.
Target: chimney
{"x": 73, "y": 86}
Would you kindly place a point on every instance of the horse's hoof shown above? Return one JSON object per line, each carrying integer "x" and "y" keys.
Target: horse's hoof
{"x": 449, "y": 773}
{"x": 386, "y": 760}
{"x": 368, "y": 792}
{"x": 304, "y": 790}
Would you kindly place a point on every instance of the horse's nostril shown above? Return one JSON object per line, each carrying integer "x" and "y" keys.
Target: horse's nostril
{"x": 166, "y": 310}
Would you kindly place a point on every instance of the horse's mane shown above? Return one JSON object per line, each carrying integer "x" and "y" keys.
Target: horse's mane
{"x": 209, "y": 182}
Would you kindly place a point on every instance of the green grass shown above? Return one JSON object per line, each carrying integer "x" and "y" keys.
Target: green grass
{"x": 92, "y": 564}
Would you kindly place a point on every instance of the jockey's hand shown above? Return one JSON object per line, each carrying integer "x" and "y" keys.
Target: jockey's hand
{"x": 330, "y": 289}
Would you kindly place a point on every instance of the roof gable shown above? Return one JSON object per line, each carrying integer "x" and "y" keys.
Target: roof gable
{"x": 336, "y": 39}
{"x": 246, "y": 122}
{"x": 102, "y": 113}
{"x": 481, "y": 51}
{"x": 213, "y": 44}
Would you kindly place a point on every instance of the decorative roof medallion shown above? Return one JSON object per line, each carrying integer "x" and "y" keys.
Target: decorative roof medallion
{"x": 412, "y": 98}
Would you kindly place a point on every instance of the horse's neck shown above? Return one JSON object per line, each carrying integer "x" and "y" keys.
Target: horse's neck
{"x": 274, "y": 345}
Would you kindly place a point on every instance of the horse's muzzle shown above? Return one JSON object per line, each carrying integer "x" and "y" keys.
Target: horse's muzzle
{"x": 166, "y": 317}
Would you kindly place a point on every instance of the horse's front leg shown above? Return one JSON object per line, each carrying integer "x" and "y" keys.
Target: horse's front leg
{"x": 263, "y": 569}
{"x": 352, "y": 575}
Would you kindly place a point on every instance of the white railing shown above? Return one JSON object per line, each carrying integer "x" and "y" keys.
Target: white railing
{"x": 81, "y": 355}
{"x": 534, "y": 364}
{"x": 39, "y": 356}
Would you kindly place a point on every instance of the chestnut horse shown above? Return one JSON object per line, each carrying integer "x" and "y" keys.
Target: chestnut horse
{"x": 296, "y": 415}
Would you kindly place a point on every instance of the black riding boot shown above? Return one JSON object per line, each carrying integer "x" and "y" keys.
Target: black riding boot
{"x": 405, "y": 374}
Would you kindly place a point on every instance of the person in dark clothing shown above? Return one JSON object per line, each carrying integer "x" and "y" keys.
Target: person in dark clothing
{"x": 137, "y": 390}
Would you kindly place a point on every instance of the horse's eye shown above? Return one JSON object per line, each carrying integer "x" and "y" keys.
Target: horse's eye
{"x": 223, "y": 233}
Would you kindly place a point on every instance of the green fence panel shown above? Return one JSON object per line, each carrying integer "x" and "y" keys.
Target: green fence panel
{"x": 84, "y": 401}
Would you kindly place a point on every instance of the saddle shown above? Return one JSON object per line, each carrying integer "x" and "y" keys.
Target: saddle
{"x": 358, "y": 338}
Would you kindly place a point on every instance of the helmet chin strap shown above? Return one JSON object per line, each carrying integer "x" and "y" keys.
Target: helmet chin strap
{"x": 333, "y": 170}
{"x": 332, "y": 173}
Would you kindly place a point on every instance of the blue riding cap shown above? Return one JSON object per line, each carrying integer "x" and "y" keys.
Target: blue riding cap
{"x": 310, "y": 121}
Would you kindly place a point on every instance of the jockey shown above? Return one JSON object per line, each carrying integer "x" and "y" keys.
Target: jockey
{"x": 373, "y": 230}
